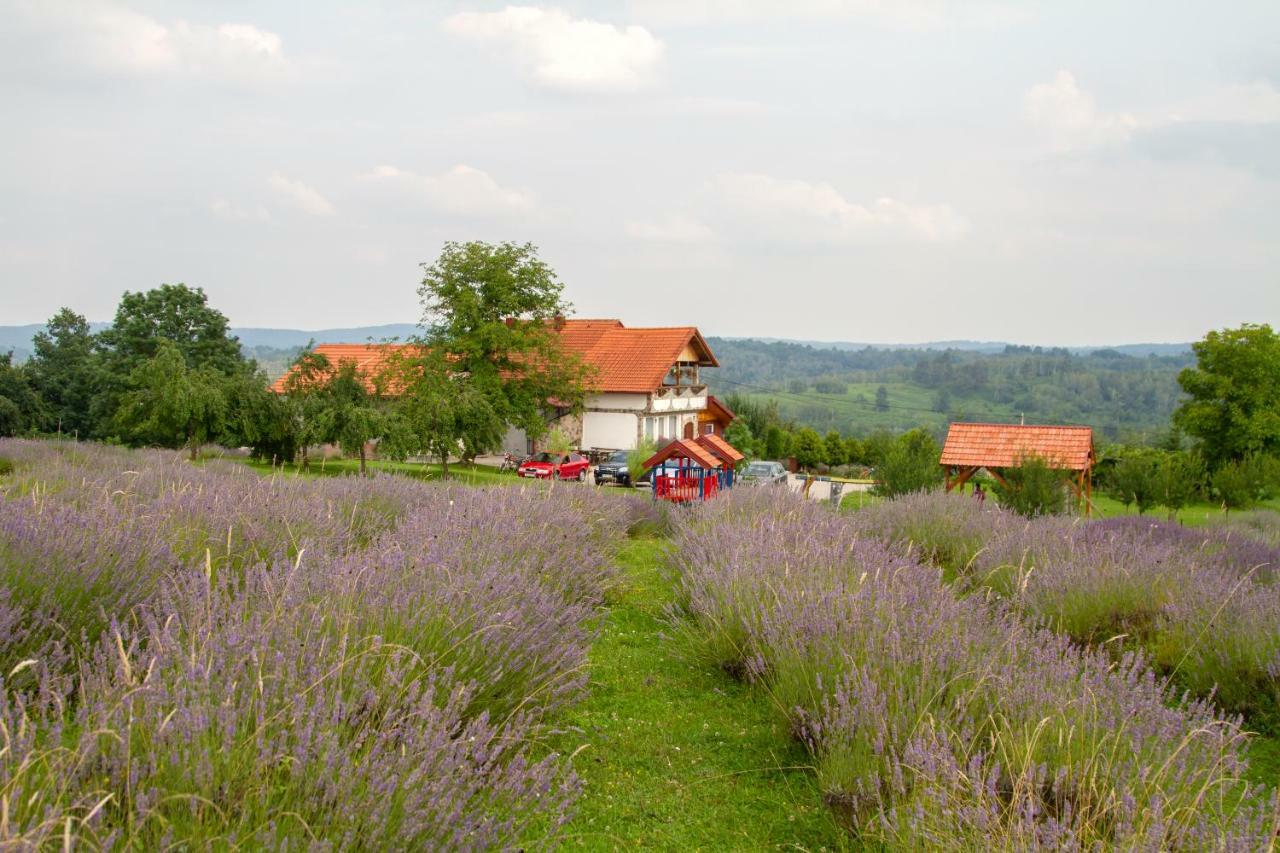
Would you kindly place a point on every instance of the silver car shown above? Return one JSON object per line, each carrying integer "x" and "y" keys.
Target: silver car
{"x": 764, "y": 472}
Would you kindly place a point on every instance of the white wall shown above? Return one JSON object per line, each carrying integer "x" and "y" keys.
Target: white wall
{"x": 612, "y": 430}
{"x": 515, "y": 442}
{"x": 618, "y": 401}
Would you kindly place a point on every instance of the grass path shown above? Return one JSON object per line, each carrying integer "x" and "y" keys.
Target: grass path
{"x": 677, "y": 756}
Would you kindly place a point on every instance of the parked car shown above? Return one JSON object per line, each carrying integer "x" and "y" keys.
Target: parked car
{"x": 615, "y": 470}
{"x": 764, "y": 472}
{"x": 561, "y": 466}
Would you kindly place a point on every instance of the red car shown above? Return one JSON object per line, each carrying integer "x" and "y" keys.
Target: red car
{"x": 544, "y": 466}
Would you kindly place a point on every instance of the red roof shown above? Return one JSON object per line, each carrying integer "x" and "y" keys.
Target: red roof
{"x": 683, "y": 447}
{"x": 625, "y": 360}
{"x": 717, "y": 410}
{"x": 369, "y": 359}
{"x": 1006, "y": 445}
{"x": 720, "y": 448}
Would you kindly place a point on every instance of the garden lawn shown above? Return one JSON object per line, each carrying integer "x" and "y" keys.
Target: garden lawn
{"x": 472, "y": 475}
{"x": 1193, "y": 516}
{"x": 676, "y": 756}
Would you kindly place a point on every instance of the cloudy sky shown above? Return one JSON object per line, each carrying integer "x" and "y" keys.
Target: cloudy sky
{"x": 1069, "y": 172}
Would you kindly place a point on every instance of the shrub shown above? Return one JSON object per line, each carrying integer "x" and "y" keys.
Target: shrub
{"x": 1033, "y": 488}
{"x": 637, "y": 456}
{"x": 910, "y": 464}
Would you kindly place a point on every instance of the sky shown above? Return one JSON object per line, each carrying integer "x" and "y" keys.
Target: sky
{"x": 1042, "y": 172}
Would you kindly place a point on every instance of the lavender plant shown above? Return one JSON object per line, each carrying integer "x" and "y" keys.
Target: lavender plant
{"x": 940, "y": 720}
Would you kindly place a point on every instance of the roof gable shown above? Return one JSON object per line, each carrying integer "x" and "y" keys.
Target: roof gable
{"x": 720, "y": 448}
{"x": 683, "y": 448}
{"x": 1006, "y": 445}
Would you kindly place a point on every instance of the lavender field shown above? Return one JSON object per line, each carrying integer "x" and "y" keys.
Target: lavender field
{"x": 955, "y": 697}
{"x": 209, "y": 657}
{"x": 204, "y": 656}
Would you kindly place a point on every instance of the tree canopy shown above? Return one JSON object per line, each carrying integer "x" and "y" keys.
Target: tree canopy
{"x": 1233, "y": 409}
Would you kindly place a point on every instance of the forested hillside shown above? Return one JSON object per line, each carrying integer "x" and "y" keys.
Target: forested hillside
{"x": 1125, "y": 397}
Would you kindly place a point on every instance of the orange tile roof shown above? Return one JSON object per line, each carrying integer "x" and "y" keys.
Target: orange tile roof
{"x": 624, "y": 360}
{"x": 1005, "y": 445}
{"x": 369, "y": 359}
{"x": 686, "y": 448}
{"x": 721, "y": 448}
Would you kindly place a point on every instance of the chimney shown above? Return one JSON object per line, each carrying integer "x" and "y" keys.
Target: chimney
{"x": 558, "y": 322}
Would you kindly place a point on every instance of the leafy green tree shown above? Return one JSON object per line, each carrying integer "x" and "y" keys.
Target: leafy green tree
{"x": 910, "y": 464}
{"x": 876, "y": 447}
{"x": 172, "y": 312}
{"x": 882, "y": 399}
{"x": 1135, "y": 479}
{"x": 835, "y": 449}
{"x": 65, "y": 369}
{"x": 739, "y": 435}
{"x": 1180, "y": 479}
{"x": 1241, "y": 483}
{"x": 809, "y": 448}
{"x": 438, "y": 412}
{"x": 557, "y": 442}
{"x": 354, "y": 419}
{"x": 21, "y": 407}
{"x": 775, "y": 442}
{"x": 306, "y": 403}
{"x": 1233, "y": 409}
{"x": 1033, "y": 488}
{"x": 493, "y": 308}
{"x": 261, "y": 420}
{"x": 855, "y": 452}
{"x": 171, "y": 404}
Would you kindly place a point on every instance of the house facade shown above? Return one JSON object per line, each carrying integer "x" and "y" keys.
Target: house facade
{"x": 647, "y": 383}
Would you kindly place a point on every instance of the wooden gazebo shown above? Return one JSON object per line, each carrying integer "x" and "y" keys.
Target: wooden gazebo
{"x": 996, "y": 447}
{"x": 684, "y": 471}
{"x": 728, "y": 455}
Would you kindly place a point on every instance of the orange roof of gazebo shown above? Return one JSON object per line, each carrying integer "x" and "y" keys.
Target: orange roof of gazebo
{"x": 686, "y": 448}
{"x": 1069, "y": 448}
{"x": 719, "y": 447}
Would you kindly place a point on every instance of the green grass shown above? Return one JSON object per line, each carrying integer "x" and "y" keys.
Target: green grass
{"x": 677, "y": 756}
{"x": 1195, "y": 515}
{"x": 1264, "y": 761}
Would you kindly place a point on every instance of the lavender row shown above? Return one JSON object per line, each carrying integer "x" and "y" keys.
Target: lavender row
{"x": 381, "y": 686}
{"x": 943, "y": 721}
{"x": 1201, "y": 603}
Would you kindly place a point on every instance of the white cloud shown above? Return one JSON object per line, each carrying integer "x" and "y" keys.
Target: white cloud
{"x": 112, "y": 39}
{"x": 564, "y": 52}
{"x": 673, "y": 228}
{"x": 305, "y": 198}
{"x": 1250, "y": 103}
{"x": 906, "y": 14}
{"x": 224, "y": 209}
{"x": 1070, "y": 117}
{"x": 462, "y": 190}
{"x": 806, "y": 211}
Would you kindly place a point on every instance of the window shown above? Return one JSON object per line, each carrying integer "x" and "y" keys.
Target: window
{"x": 708, "y": 429}
{"x": 672, "y": 429}
{"x": 648, "y": 428}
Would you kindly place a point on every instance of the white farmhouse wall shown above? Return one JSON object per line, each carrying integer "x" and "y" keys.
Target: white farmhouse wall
{"x": 611, "y": 430}
{"x": 515, "y": 442}
{"x": 637, "y": 402}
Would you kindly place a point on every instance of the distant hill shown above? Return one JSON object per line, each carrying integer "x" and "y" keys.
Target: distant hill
{"x": 972, "y": 346}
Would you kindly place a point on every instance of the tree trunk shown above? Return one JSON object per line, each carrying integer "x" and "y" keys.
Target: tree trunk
{"x": 195, "y": 445}
{"x": 362, "y": 459}
{"x": 306, "y": 460}
{"x": 444, "y": 466}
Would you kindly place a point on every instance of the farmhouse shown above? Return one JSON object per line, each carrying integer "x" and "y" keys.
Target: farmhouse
{"x": 996, "y": 447}
{"x": 645, "y": 384}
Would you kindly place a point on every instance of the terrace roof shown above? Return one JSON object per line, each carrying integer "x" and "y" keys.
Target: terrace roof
{"x": 720, "y": 448}
{"x": 1069, "y": 448}
{"x": 686, "y": 449}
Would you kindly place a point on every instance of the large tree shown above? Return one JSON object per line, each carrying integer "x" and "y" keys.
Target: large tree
{"x": 171, "y": 404}
{"x": 910, "y": 464}
{"x": 1234, "y": 409}
{"x": 493, "y": 309}
{"x": 354, "y": 417}
{"x": 21, "y": 407}
{"x": 66, "y": 370}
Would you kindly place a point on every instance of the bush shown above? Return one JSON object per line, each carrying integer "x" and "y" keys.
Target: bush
{"x": 910, "y": 464}
{"x": 637, "y": 456}
{"x": 1033, "y": 488}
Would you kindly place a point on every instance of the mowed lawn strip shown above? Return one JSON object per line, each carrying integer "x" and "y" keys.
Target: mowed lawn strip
{"x": 677, "y": 756}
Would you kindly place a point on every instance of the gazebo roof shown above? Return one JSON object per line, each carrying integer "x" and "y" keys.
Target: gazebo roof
{"x": 687, "y": 449}
{"x": 720, "y": 448}
{"x": 1069, "y": 448}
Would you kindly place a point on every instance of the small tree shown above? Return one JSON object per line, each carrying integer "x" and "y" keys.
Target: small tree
{"x": 1180, "y": 479}
{"x": 172, "y": 404}
{"x": 354, "y": 419}
{"x": 909, "y": 465}
{"x": 1135, "y": 480}
{"x": 1033, "y": 488}
{"x": 809, "y": 448}
{"x": 882, "y": 399}
{"x": 557, "y": 442}
{"x": 775, "y": 442}
{"x": 739, "y": 435}
{"x": 307, "y": 405}
{"x": 643, "y": 451}
{"x": 835, "y": 449}
{"x": 1240, "y": 484}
